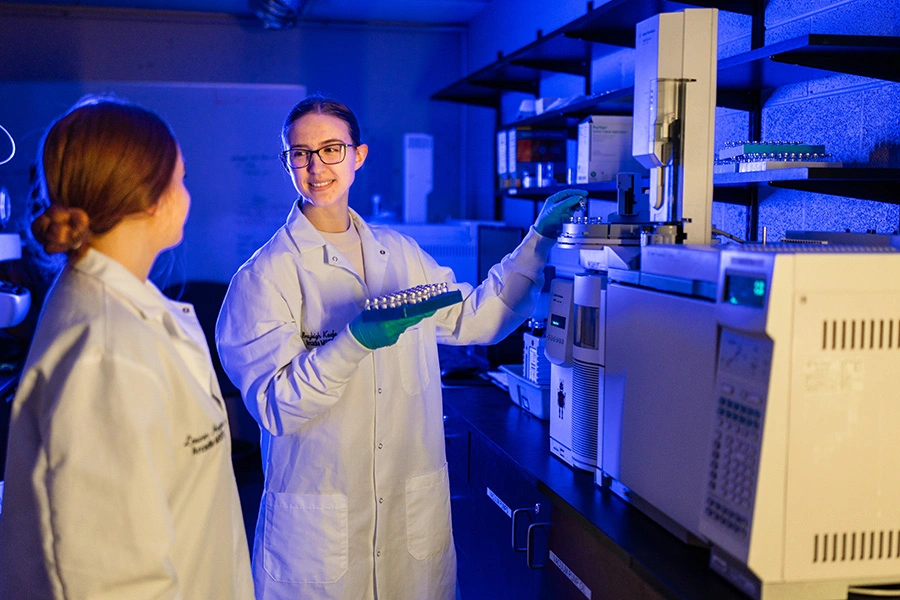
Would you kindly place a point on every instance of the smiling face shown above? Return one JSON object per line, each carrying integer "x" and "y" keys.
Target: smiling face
{"x": 324, "y": 187}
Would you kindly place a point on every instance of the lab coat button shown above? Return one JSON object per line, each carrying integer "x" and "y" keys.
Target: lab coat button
{"x": 382, "y": 251}
{"x": 380, "y": 445}
{"x": 381, "y": 501}
{"x": 334, "y": 259}
{"x": 185, "y": 309}
{"x": 379, "y": 390}
{"x": 378, "y": 553}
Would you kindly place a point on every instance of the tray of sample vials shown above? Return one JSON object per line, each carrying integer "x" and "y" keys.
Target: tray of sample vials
{"x": 410, "y": 302}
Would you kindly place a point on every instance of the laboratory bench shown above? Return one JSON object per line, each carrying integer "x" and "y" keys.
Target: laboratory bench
{"x": 528, "y": 525}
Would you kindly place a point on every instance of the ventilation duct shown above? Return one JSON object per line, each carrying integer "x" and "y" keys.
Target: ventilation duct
{"x": 277, "y": 14}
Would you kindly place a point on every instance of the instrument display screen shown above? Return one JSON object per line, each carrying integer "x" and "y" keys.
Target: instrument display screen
{"x": 557, "y": 321}
{"x": 745, "y": 290}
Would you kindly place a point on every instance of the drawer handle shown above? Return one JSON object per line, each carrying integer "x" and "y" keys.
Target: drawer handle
{"x": 529, "y": 544}
{"x": 515, "y": 515}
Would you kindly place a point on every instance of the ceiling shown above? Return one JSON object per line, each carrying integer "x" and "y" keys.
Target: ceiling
{"x": 411, "y": 12}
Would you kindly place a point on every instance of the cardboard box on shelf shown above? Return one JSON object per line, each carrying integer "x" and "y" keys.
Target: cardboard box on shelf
{"x": 502, "y": 160}
{"x": 529, "y": 147}
{"x": 604, "y": 149}
{"x": 542, "y": 105}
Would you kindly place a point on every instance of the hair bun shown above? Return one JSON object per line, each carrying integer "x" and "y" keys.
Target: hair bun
{"x": 62, "y": 229}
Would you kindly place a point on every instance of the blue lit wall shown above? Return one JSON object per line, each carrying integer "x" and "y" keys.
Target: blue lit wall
{"x": 386, "y": 74}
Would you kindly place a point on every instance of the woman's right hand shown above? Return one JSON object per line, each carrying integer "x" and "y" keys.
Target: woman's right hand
{"x": 558, "y": 208}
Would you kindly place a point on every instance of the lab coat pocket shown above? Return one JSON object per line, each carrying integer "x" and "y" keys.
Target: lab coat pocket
{"x": 428, "y": 514}
{"x": 306, "y": 537}
{"x": 412, "y": 361}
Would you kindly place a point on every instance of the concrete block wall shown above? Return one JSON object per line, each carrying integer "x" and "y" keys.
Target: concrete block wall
{"x": 857, "y": 118}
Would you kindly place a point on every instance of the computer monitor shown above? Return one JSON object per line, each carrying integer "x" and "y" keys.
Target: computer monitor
{"x": 495, "y": 242}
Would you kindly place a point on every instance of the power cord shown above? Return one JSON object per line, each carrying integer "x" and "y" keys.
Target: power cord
{"x": 873, "y": 592}
{"x": 727, "y": 235}
{"x": 11, "y": 141}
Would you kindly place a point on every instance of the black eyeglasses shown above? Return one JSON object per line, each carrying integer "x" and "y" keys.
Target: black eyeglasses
{"x": 332, "y": 154}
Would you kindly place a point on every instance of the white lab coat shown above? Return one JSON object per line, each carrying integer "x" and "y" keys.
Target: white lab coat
{"x": 356, "y": 501}
{"x": 119, "y": 482}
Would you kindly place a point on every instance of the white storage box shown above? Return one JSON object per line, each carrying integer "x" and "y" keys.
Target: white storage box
{"x": 535, "y": 366}
{"x": 604, "y": 149}
{"x": 530, "y": 396}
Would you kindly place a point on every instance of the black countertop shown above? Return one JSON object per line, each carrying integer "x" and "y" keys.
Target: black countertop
{"x": 672, "y": 567}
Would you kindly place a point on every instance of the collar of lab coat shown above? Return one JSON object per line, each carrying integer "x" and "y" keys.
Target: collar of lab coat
{"x": 178, "y": 318}
{"x": 144, "y": 296}
{"x": 375, "y": 254}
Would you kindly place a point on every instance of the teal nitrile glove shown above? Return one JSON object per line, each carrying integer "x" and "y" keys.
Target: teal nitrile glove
{"x": 380, "y": 334}
{"x": 557, "y": 208}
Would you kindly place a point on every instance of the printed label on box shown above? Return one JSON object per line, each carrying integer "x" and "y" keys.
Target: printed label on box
{"x": 604, "y": 149}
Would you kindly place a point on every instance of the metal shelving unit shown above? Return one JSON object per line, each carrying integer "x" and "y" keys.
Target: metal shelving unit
{"x": 743, "y": 82}
{"x": 605, "y": 190}
{"x": 811, "y": 56}
{"x": 568, "y": 49}
{"x": 881, "y": 185}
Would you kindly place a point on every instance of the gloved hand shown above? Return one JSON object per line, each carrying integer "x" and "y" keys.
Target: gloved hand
{"x": 380, "y": 334}
{"x": 557, "y": 208}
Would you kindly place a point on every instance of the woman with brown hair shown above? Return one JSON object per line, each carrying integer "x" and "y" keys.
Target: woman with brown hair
{"x": 356, "y": 500}
{"x": 118, "y": 479}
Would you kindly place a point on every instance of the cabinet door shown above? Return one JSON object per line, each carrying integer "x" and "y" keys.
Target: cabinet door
{"x": 456, "y": 440}
{"x": 584, "y": 566}
{"x": 457, "y": 434}
{"x": 490, "y": 567}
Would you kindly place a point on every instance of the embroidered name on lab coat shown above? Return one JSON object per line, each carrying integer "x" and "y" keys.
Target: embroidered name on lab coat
{"x": 203, "y": 442}
{"x": 315, "y": 339}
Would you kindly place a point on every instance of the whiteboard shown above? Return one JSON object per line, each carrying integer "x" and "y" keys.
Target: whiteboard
{"x": 230, "y": 138}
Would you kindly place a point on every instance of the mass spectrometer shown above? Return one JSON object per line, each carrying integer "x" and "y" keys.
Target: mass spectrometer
{"x": 675, "y": 80}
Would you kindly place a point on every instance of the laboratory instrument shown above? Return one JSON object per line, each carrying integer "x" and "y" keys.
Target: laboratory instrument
{"x": 559, "y": 336}
{"x": 660, "y": 363}
{"x": 802, "y": 494}
{"x": 674, "y": 117}
{"x": 14, "y": 300}
{"x": 675, "y": 79}
{"x": 588, "y": 350}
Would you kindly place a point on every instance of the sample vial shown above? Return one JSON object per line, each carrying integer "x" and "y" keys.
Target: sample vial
{"x": 546, "y": 177}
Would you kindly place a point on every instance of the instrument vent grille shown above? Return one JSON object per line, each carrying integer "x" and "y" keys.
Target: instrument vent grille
{"x": 856, "y": 546}
{"x": 585, "y": 398}
{"x": 860, "y": 334}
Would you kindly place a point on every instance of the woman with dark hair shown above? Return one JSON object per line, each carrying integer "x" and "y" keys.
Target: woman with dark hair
{"x": 356, "y": 501}
{"x": 118, "y": 478}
